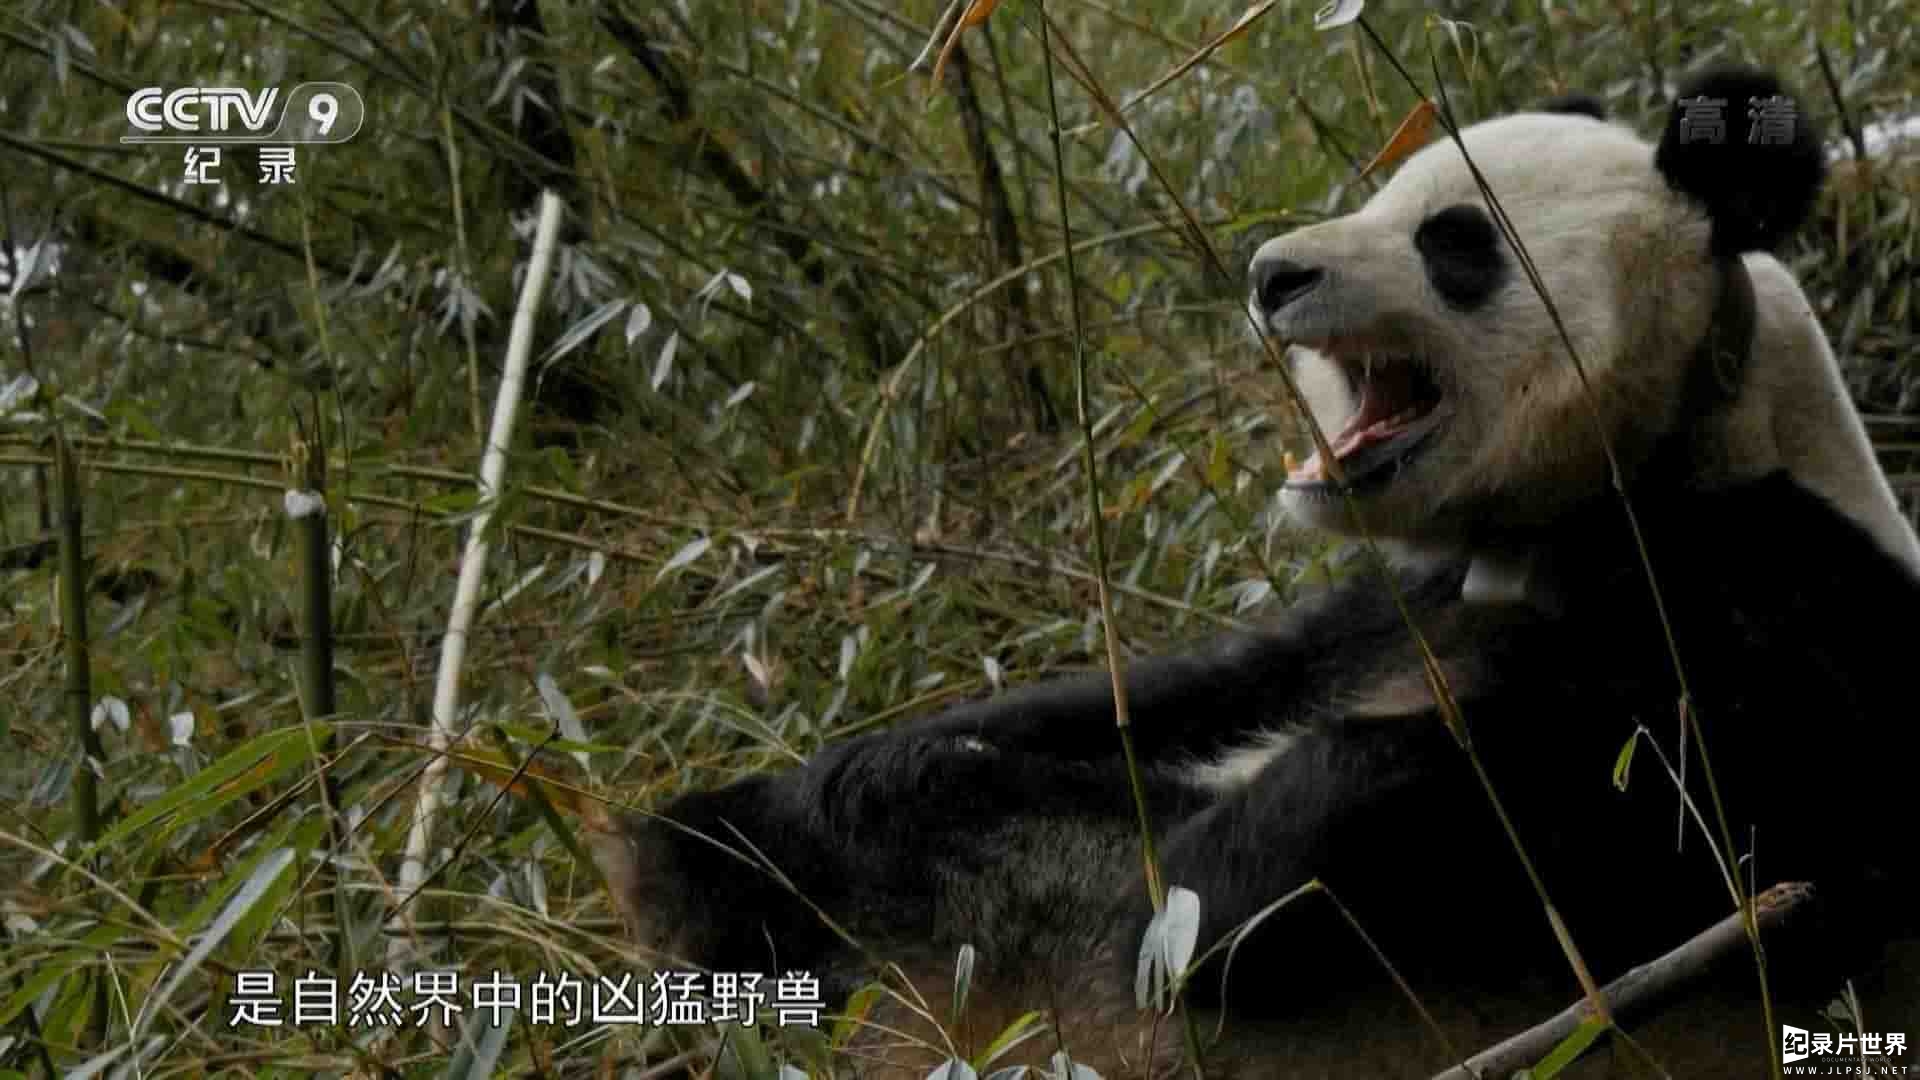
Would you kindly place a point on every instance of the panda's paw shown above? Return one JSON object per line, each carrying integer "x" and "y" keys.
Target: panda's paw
{"x": 696, "y": 888}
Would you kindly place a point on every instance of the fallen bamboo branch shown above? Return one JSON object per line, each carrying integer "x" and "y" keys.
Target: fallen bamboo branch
{"x": 1645, "y": 990}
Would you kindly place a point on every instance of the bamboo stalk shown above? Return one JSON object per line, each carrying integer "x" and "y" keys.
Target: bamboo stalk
{"x": 312, "y": 536}
{"x": 493, "y": 464}
{"x": 73, "y": 636}
{"x": 313, "y": 539}
{"x": 79, "y": 688}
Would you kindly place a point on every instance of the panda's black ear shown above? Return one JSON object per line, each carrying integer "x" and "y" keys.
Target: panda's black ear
{"x": 1576, "y": 104}
{"x": 1744, "y": 146}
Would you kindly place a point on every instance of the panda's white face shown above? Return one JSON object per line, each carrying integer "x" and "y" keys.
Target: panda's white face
{"x": 1432, "y": 364}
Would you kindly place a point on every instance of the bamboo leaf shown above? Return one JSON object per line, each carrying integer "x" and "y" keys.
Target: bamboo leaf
{"x": 976, "y": 13}
{"x": 684, "y": 556}
{"x": 582, "y": 330}
{"x": 258, "y": 885}
{"x": 638, "y": 320}
{"x": 663, "y": 367}
{"x": 242, "y": 771}
{"x": 1569, "y": 1049}
{"x": 1411, "y": 135}
{"x": 1335, "y": 14}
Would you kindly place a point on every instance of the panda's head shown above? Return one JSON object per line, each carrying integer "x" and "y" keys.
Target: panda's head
{"x": 1443, "y": 385}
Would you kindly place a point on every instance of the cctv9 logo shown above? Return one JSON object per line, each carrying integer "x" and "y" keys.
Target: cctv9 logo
{"x": 315, "y": 112}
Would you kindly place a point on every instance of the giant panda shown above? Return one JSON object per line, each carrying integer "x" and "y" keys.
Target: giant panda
{"x": 1313, "y": 749}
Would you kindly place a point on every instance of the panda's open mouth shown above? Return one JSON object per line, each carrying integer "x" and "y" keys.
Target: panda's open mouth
{"x": 1399, "y": 409}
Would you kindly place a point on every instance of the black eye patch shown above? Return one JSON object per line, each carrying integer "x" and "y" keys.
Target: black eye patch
{"x": 1462, "y": 252}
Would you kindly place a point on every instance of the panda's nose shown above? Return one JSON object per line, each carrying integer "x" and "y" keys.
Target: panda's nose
{"x": 1278, "y": 282}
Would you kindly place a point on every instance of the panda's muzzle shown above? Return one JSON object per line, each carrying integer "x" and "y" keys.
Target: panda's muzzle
{"x": 1399, "y": 410}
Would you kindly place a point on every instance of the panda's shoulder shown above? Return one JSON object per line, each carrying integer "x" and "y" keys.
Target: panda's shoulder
{"x": 1762, "y": 581}
{"x": 1775, "y": 531}
{"x": 1765, "y": 584}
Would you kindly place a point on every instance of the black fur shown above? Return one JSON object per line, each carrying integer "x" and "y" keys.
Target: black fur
{"x": 1755, "y": 192}
{"x": 1576, "y": 104}
{"x": 1464, "y": 260}
{"x": 1007, "y": 823}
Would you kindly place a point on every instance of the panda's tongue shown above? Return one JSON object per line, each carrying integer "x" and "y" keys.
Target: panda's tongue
{"x": 1386, "y": 406}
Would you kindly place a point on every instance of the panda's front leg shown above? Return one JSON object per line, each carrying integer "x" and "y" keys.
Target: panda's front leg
{"x": 901, "y": 844}
{"x": 1386, "y": 817}
{"x": 1007, "y": 823}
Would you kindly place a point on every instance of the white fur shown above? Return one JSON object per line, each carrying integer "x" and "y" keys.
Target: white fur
{"x": 1624, "y": 259}
{"x": 1795, "y": 412}
{"x": 1235, "y": 768}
